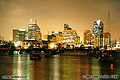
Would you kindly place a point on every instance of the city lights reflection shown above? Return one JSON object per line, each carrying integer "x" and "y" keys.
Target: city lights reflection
{"x": 19, "y": 67}
{"x": 56, "y": 68}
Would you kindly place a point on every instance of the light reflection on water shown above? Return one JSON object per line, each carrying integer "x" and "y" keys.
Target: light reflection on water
{"x": 66, "y": 66}
{"x": 56, "y": 68}
{"x": 19, "y": 67}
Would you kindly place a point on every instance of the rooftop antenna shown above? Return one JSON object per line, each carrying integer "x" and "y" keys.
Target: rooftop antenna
{"x": 35, "y": 21}
{"x": 108, "y": 20}
{"x": 48, "y": 32}
{"x": 31, "y": 20}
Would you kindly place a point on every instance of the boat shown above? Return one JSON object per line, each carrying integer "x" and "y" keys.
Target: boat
{"x": 106, "y": 57}
{"x": 35, "y": 55}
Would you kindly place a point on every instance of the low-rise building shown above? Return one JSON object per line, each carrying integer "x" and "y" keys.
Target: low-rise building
{"x": 31, "y": 43}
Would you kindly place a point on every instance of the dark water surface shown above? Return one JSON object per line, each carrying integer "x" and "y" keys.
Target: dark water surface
{"x": 66, "y": 66}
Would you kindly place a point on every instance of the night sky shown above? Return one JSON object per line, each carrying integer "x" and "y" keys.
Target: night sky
{"x": 51, "y": 15}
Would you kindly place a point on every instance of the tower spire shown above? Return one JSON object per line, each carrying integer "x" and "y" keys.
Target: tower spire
{"x": 35, "y": 21}
{"x": 108, "y": 20}
{"x": 31, "y": 20}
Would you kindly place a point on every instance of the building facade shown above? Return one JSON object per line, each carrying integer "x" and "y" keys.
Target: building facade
{"x": 77, "y": 41}
{"x": 45, "y": 37}
{"x": 87, "y": 37}
{"x": 58, "y": 35}
{"x": 28, "y": 44}
{"x": 107, "y": 39}
{"x": 19, "y": 34}
{"x": 97, "y": 34}
{"x": 69, "y": 36}
{"x": 34, "y": 32}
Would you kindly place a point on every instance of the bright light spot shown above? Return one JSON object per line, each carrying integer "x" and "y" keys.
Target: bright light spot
{"x": 117, "y": 60}
{"x": 16, "y": 44}
{"x": 22, "y": 30}
{"x": 56, "y": 32}
{"x": 19, "y": 42}
{"x": 25, "y": 47}
{"x": 52, "y": 45}
{"x": 98, "y": 21}
{"x": 42, "y": 51}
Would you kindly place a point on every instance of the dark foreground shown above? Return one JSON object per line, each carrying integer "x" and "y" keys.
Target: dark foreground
{"x": 66, "y": 66}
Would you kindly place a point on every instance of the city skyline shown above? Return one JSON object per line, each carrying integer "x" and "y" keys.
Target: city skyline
{"x": 52, "y": 15}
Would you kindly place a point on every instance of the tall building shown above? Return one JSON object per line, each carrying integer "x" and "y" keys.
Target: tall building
{"x": 19, "y": 34}
{"x": 107, "y": 39}
{"x": 87, "y": 37}
{"x": 38, "y": 36}
{"x": 34, "y": 32}
{"x": 69, "y": 36}
{"x": 97, "y": 40}
{"x": 77, "y": 41}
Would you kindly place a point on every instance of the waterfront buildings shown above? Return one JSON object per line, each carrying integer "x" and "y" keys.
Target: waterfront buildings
{"x": 28, "y": 44}
{"x": 19, "y": 34}
{"x": 69, "y": 37}
{"x": 45, "y": 37}
{"x": 87, "y": 37}
{"x": 97, "y": 35}
{"x": 107, "y": 39}
{"x": 52, "y": 38}
{"x": 58, "y": 35}
{"x": 77, "y": 41}
{"x": 34, "y": 32}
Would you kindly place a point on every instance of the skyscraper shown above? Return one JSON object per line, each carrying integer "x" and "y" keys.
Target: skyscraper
{"x": 33, "y": 32}
{"x": 87, "y": 37}
{"x": 19, "y": 34}
{"x": 97, "y": 33}
{"x": 69, "y": 36}
{"x": 107, "y": 39}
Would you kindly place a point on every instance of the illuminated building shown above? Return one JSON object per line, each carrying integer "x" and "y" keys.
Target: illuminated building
{"x": 27, "y": 44}
{"x": 97, "y": 35}
{"x": 107, "y": 39}
{"x": 58, "y": 35}
{"x": 77, "y": 41}
{"x": 45, "y": 37}
{"x": 34, "y": 32}
{"x": 19, "y": 34}
{"x": 69, "y": 36}
{"x": 38, "y": 36}
{"x": 52, "y": 38}
{"x": 87, "y": 37}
